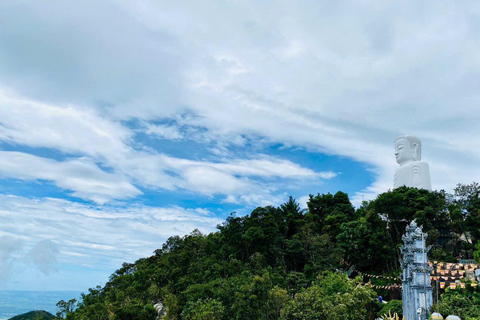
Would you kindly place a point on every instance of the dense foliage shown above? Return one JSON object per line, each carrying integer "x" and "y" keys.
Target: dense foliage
{"x": 34, "y": 315}
{"x": 463, "y": 303}
{"x": 285, "y": 262}
{"x": 392, "y": 307}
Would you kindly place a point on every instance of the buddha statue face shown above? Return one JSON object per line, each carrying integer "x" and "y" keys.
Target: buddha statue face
{"x": 404, "y": 151}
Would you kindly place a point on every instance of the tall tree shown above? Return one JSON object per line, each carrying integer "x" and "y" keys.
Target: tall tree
{"x": 403, "y": 205}
{"x": 328, "y": 212}
{"x": 367, "y": 243}
{"x": 467, "y": 198}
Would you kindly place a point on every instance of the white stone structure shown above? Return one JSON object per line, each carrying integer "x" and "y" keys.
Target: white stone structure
{"x": 417, "y": 291}
{"x": 436, "y": 316}
{"x": 160, "y": 308}
{"x": 412, "y": 171}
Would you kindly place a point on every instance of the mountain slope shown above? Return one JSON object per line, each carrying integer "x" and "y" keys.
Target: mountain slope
{"x": 34, "y": 315}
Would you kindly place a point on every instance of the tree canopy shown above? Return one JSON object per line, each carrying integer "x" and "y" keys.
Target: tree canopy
{"x": 286, "y": 262}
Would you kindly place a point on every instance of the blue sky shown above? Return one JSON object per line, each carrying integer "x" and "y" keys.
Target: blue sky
{"x": 124, "y": 123}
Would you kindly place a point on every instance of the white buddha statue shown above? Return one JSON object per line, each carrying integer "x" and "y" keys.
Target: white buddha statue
{"x": 412, "y": 171}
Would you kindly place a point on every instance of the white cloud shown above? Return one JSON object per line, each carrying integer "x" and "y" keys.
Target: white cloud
{"x": 236, "y": 176}
{"x": 96, "y": 140}
{"x": 271, "y": 167}
{"x": 82, "y": 176}
{"x": 302, "y": 201}
{"x": 55, "y": 56}
{"x": 328, "y": 78}
{"x": 340, "y": 80}
{"x": 73, "y": 129}
{"x": 55, "y": 231}
{"x": 209, "y": 180}
{"x": 75, "y": 246}
{"x": 44, "y": 255}
{"x": 349, "y": 92}
{"x": 8, "y": 246}
{"x": 163, "y": 131}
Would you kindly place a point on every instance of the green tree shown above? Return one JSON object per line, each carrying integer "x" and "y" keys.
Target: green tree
{"x": 321, "y": 253}
{"x": 328, "y": 212}
{"x": 392, "y": 307}
{"x": 476, "y": 254}
{"x": 467, "y": 197}
{"x": 293, "y": 244}
{"x": 463, "y": 303}
{"x": 207, "y": 309}
{"x": 265, "y": 265}
{"x": 65, "y": 308}
{"x": 35, "y": 315}
{"x": 258, "y": 299}
{"x": 332, "y": 297}
{"x": 403, "y": 205}
{"x": 367, "y": 244}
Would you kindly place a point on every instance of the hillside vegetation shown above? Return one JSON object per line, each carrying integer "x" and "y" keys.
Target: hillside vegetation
{"x": 288, "y": 263}
{"x": 34, "y": 315}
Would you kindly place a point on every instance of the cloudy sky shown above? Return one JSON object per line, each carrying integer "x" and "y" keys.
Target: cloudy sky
{"x": 125, "y": 122}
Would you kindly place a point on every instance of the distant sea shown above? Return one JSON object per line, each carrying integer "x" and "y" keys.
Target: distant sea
{"x": 13, "y": 303}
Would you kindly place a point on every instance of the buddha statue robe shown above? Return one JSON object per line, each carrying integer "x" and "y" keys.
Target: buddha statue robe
{"x": 413, "y": 174}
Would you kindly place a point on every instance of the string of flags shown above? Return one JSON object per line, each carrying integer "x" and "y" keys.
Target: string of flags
{"x": 446, "y": 274}
{"x": 388, "y": 287}
{"x": 454, "y": 285}
{"x": 451, "y": 265}
{"x": 443, "y": 285}
{"x": 435, "y": 278}
{"x": 368, "y": 275}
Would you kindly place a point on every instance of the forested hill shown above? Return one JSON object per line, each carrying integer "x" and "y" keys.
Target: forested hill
{"x": 34, "y": 315}
{"x": 286, "y": 263}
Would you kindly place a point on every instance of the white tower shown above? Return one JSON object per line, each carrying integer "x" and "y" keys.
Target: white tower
{"x": 417, "y": 291}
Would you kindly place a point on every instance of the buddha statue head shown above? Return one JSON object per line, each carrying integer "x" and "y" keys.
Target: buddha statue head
{"x": 408, "y": 149}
